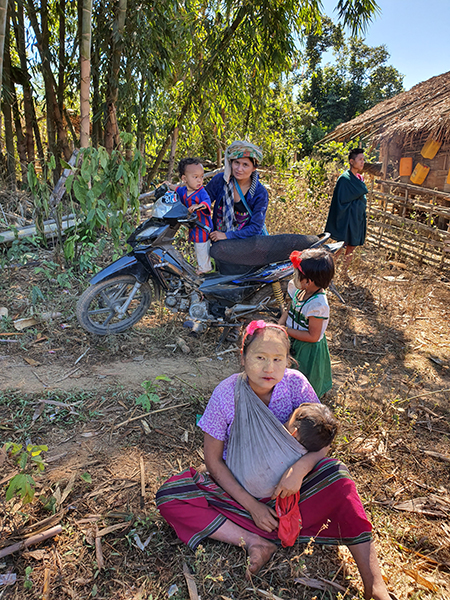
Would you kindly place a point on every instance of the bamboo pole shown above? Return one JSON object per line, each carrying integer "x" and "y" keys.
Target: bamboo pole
{"x": 31, "y": 541}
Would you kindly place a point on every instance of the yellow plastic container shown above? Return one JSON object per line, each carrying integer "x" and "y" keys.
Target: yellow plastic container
{"x": 430, "y": 148}
{"x": 406, "y": 166}
{"x": 448, "y": 177}
{"x": 419, "y": 174}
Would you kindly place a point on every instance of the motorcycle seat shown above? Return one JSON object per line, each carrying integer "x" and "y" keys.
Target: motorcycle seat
{"x": 239, "y": 256}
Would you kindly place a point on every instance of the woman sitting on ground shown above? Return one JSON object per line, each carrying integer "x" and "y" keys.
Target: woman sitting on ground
{"x": 240, "y": 200}
{"x": 215, "y": 505}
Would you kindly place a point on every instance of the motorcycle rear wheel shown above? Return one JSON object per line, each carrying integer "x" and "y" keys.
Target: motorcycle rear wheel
{"x": 97, "y": 308}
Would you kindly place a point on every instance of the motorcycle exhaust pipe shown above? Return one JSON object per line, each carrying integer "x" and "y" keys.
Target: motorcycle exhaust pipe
{"x": 239, "y": 310}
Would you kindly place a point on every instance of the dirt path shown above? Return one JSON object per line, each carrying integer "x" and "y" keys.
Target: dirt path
{"x": 17, "y": 374}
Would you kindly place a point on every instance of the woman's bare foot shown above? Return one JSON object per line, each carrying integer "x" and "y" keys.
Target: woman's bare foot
{"x": 259, "y": 553}
{"x": 259, "y": 549}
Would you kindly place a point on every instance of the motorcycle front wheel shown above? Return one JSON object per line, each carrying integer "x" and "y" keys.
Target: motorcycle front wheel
{"x": 98, "y": 309}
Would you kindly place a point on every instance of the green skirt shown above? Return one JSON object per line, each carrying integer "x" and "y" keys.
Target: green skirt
{"x": 314, "y": 362}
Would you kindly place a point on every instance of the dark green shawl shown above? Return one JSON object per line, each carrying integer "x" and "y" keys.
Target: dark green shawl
{"x": 347, "y": 216}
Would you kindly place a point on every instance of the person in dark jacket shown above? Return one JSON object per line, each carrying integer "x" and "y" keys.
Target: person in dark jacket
{"x": 347, "y": 215}
{"x": 240, "y": 200}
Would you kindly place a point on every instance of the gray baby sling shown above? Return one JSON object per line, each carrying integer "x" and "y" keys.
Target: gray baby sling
{"x": 260, "y": 448}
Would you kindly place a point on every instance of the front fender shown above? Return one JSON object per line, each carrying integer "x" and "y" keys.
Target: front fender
{"x": 125, "y": 265}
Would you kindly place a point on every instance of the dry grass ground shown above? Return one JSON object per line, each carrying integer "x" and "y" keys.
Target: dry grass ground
{"x": 390, "y": 349}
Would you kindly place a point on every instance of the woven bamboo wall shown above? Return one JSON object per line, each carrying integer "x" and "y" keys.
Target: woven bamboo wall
{"x": 410, "y": 222}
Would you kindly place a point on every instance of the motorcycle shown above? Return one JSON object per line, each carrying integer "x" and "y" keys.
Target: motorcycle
{"x": 251, "y": 279}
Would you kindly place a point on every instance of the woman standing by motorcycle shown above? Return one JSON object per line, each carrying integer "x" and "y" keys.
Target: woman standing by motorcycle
{"x": 240, "y": 200}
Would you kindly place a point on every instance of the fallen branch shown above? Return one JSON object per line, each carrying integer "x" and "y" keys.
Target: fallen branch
{"x": 35, "y": 539}
{"x": 80, "y": 357}
{"x": 66, "y": 376}
{"x": 438, "y": 455}
{"x": 233, "y": 349}
{"x": 39, "y": 379}
{"x": 426, "y": 394}
{"x": 46, "y": 588}
{"x": 99, "y": 551}
{"x": 152, "y": 412}
{"x": 192, "y": 587}
{"x": 142, "y": 467}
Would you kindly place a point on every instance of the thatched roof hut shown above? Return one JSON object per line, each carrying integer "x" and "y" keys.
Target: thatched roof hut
{"x": 402, "y": 125}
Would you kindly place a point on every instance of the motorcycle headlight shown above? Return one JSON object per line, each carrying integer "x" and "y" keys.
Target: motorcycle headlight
{"x": 147, "y": 233}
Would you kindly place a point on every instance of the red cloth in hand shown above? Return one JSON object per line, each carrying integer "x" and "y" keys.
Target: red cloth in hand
{"x": 289, "y": 519}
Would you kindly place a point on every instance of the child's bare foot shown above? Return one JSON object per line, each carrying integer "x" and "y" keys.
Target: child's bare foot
{"x": 259, "y": 553}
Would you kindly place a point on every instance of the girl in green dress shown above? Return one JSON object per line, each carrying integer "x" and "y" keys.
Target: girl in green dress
{"x": 307, "y": 317}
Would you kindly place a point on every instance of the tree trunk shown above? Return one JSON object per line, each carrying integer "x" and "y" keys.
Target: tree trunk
{"x": 6, "y": 108}
{"x": 49, "y": 80}
{"x": 37, "y": 135}
{"x": 196, "y": 89}
{"x": 173, "y": 149}
{"x": 21, "y": 146}
{"x": 50, "y": 112}
{"x": 112, "y": 130}
{"x": 19, "y": 30}
{"x": 128, "y": 120}
{"x": 96, "y": 110}
{"x": 61, "y": 53}
{"x": 140, "y": 126}
{"x": 85, "y": 53}
{"x": 3, "y": 20}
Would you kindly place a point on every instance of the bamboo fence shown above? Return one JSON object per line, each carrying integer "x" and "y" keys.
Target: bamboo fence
{"x": 404, "y": 219}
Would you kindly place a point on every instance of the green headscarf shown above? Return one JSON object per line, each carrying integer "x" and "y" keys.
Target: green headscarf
{"x": 240, "y": 149}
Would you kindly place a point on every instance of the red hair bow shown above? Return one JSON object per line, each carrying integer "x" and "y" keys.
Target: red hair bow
{"x": 296, "y": 259}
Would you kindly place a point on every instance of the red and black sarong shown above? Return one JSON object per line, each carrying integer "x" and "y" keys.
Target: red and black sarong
{"x": 331, "y": 509}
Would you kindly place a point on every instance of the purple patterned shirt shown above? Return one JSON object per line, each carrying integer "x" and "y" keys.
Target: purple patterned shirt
{"x": 293, "y": 390}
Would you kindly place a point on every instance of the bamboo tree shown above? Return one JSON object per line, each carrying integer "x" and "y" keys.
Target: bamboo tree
{"x": 259, "y": 39}
{"x": 7, "y": 113}
{"x": 116, "y": 45}
{"x": 19, "y": 33}
{"x": 49, "y": 80}
{"x": 3, "y": 19}
{"x": 20, "y": 138}
{"x": 221, "y": 46}
{"x": 62, "y": 53}
{"x": 85, "y": 54}
{"x": 173, "y": 149}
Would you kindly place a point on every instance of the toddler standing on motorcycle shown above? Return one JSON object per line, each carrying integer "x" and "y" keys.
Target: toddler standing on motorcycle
{"x": 194, "y": 196}
{"x": 307, "y": 317}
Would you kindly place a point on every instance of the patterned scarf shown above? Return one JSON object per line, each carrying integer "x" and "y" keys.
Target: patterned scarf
{"x": 228, "y": 220}
{"x": 240, "y": 149}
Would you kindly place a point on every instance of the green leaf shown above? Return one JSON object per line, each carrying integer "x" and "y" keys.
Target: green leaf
{"x": 101, "y": 216}
{"x": 86, "y": 171}
{"x": 86, "y": 477}
{"x": 23, "y": 485}
{"x": 103, "y": 157}
{"x": 64, "y": 164}
{"x": 15, "y": 447}
{"x": 69, "y": 182}
{"x": 145, "y": 402}
{"x": 80, "y": 190}
{"x": 36, "y": 295}
{"x": 120, "y": 172}
{"x": 23, "y": 460}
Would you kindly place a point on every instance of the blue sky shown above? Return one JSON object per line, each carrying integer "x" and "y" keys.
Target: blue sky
{"x": 416, "y": 33}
